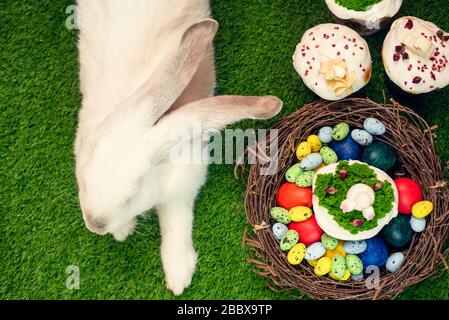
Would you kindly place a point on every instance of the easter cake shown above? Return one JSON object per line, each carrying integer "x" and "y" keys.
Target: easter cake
{"x": 353, "y": 201}
{"x": 365, "y": 16}
{"x": 415, "y": 55}
{"x": 333, "y": 61}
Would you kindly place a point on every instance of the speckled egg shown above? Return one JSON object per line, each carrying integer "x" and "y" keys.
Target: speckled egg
{"x": 338, "y": 267}
{"x": 354, "y": 247}
{"x": 329, "y": 156}
{"x": 315, "y": 251}
{"x": 329, "y": 242}
{"x": 323, "y": 266}
{"x": 305, "y": 179}
{"x": 279, "y": 230}
{"x": 355, "y": 265}
{"x": 346, "y": 276}
{"x": 303, "y": 150}
{"x": 340, "y": 131}
{"x": 418, "y": 225}
{"x": 300, "y": 213}
{"x": 289, "y": 239}
{"x": 280, "y": 215}
{"x": 296, "y": 254}
{"x": 422, "y": 209}
{"x": 395, "y": 261}
{"x": 311, "y": 162}
{"x": 293, "y": 173}
{"x": 315, "y": 143}
{"x": 325, "y": 134}
{"x": 357, "y": 277}
{"x": 374, "y": 126}
{"x": 362, "y": 137}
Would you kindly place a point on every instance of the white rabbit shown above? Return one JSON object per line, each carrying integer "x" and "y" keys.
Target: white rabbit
{"x": 146, "y": 69}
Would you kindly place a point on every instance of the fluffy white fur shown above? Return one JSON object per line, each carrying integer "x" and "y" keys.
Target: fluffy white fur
{"x": 146, "y": 69}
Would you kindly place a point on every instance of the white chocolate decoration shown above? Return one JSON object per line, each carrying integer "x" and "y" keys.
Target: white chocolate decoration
{"x": 415, "y": 55}
{"x": 333, "y": 61}
{"x": 382, "y": 9}
{"x": 360, "y": 197}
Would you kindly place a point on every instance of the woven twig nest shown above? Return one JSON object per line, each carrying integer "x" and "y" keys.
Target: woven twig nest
{"x": 412, "y": 138}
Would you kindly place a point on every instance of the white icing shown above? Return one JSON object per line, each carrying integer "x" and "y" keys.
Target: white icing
{"x": 382, "y": 9}
{"x": 433, "y": 73}
{"x": 332, "y": 228}
{"x": 327, "y": 42}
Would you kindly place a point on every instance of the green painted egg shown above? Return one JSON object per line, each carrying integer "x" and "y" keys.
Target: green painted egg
{"x": 340, "y": 131}
{"x": 289, "y": 240}
{"x": 280, "y": 215}
{"x": 329, "y": 155}
{"x": 293, "y": 173}
{"x": 304, "y": 179}
{"x": 355, "y": 265}
{"x": 380, "y": 155}
{"x": 398, "y": 233}
{"x": 338, "y": 268}
{"x": 330, "y": 243}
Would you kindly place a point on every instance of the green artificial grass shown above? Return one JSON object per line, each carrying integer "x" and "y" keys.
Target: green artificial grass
{"x": 41, "y": 228}
{"x": 357, "y": 5}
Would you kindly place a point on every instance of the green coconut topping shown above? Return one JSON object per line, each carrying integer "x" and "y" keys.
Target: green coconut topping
{"x": 331, "y": 190}
{"x": 357, "y": 5}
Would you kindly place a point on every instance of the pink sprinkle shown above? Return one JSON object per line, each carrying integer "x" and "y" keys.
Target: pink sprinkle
{"x": 409, "y": 24}
{"x": 417, "y": 80}
{"x": 396, "y": 57}
{"x": 346, "y": 47}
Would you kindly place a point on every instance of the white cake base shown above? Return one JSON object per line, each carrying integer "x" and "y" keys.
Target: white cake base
{"x": 331, "y": 227}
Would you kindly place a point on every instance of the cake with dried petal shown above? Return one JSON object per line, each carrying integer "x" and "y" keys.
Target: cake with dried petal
{"x": 415, "y": 55}
{"x": 333, "y": 61}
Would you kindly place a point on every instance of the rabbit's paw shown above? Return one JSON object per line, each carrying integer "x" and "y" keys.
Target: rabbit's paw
{"x": 125, "y": 231}
{"x": 179, "y": 266}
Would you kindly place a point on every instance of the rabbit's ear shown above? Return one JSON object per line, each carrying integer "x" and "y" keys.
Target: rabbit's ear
{"x": 171, "y": 78}
{"x": 218, "y": 112}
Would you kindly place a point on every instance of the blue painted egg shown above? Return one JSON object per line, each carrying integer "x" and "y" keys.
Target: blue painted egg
{"x": 418, "y": 225}
{"x": 374, "y": 126}
{"x": 347, "y": 149}
{"x": 279, "y": 230}
{"x": 362, "y": 137}
{"x": 354, "y": 247}
{"x": 376, "y": 253}
{"x": 395, "y": 261}
{"x": 311, "y": 162}
{"x": 357, "y": 277}
{"x": 380, "y": 155}
{"x": 325, "y": 134}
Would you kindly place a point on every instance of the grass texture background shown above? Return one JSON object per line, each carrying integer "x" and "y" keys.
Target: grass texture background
{"x": 41, "y": 228}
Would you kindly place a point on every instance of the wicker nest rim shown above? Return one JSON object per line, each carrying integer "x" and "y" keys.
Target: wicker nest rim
{"x": 413, "y": 140}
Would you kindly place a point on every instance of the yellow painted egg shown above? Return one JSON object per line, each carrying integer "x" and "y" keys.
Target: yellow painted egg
{"x": 303, "y": 150}
{"x": 344, "y": 278}
{"x": 300, "y": 213}
{"x": 296, "y": 254}
{"x": 339, "y": 249}
{"x": 315, "y": 143}
{"x": 422, "y": 209}
{"x": 323, "y": 266}
{"x": 312, "y": 262}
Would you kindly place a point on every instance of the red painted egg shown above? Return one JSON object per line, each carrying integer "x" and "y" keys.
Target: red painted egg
{"x": 309, "y": 231}
{"x": 290, "y": 196}
{"x": 409, "y": 194}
